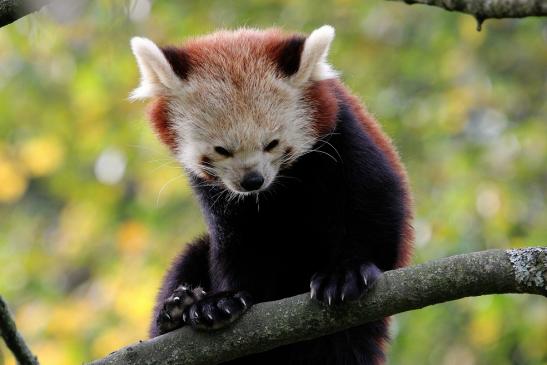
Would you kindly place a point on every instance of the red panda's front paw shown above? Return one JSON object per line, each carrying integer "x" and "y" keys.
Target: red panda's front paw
{"x": 172, "y": 314}
{"x": 218, "y": 310}
{"x": 346, "y": 283}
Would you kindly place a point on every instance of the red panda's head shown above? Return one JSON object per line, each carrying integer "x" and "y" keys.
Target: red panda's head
{"x": 235, "y": 107}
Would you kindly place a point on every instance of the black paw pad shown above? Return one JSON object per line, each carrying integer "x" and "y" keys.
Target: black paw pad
{"x": 346, "y": 283}
{"x": 218, "y": 310}
{"x": 173, "y": 313}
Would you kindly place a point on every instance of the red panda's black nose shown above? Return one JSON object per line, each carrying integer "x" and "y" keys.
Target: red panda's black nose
{"x": 252, "y": 181}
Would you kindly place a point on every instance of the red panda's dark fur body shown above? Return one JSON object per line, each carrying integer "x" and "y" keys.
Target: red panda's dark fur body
{"x": 332, "y": 210}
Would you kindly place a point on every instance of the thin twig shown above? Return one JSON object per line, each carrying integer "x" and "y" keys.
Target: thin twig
{"x": 11, "y": 10}
{"x": 13, "y": 338}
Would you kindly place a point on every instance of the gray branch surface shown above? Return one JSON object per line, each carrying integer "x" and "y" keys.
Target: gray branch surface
{"x": 13, "y": 338}
{"x": 484, "y": 9}
{"x": 11, "y": 10}
{"x": 272, "y": 324}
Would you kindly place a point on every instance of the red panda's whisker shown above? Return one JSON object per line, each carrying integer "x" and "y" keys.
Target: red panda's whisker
{"x": 208, "y": 169}
{"x": 217, "y": 197}
{"x": 166, "y": 164}
{"x": 161, "y": 160}
{"x": 208, "y": 184}
{"x": 319, "y": 151}
{"x": 288, "y": 177}
{"x": 164, "y": 186}
{"x": 330, "y": 145}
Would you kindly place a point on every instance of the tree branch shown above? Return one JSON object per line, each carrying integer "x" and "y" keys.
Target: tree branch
{"x": 482, "y": 9}
{"x": 272, "y": 324}
{"x": 13, "y": 338}
{"x": 11, "y": 10}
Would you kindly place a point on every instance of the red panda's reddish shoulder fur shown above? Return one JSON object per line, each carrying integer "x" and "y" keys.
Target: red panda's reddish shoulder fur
{"x": 380, "y": 139}
{"x": 158, "y": 113}
{"x": 323, "y": 102}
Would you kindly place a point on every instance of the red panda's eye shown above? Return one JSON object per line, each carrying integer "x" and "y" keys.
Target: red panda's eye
{"x": 273, "y": 144}
{"x": 223, "y": 151}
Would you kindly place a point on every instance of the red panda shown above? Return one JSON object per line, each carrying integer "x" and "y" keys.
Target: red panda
{"x": 300, "y": 188}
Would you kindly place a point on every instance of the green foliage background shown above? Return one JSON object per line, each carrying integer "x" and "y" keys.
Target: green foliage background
{"x": 82, "y": 251}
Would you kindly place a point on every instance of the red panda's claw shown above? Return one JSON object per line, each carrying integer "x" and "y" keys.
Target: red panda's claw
{"x": 218, "y": 310}
{"x": 173, "y": 313}
{"x": 346, "y": 283}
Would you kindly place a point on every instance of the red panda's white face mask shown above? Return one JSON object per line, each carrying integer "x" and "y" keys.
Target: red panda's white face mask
{"x": 232, "y": 118}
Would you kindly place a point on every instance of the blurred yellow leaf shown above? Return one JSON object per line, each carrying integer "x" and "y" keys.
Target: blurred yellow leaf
{"x": 10, "y": 361}
{"x": 468, "y": 29}
{"x": 13, "y": 182}
{"x": 49, "y": 352}
{"x": 6, "y": 358}
{"x": 70, "y": 318}
{"x": 41, "y": 155}
{"x": 485, "y": 328}
{"x": 78, "y": 223}
{"x": 133, "y": 302}
{"x": 32, "y": 318}
{"x": 132, "y": 237}
{"x": 112, "y": 339}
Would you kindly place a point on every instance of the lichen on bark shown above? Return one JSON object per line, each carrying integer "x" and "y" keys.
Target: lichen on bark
{"x": 530, "y": 266}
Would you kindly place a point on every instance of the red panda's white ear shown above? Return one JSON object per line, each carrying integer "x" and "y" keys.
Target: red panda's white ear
{"x": 157, "y": 74}
{"x": 313, "y": 61}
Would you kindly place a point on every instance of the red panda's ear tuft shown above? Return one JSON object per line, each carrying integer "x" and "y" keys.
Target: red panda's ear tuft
{"x": 179, "y": 61}
{"x": 160, "y": 70}
{"x": 288, "y": 53}
{"x": 313, "y": 64}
